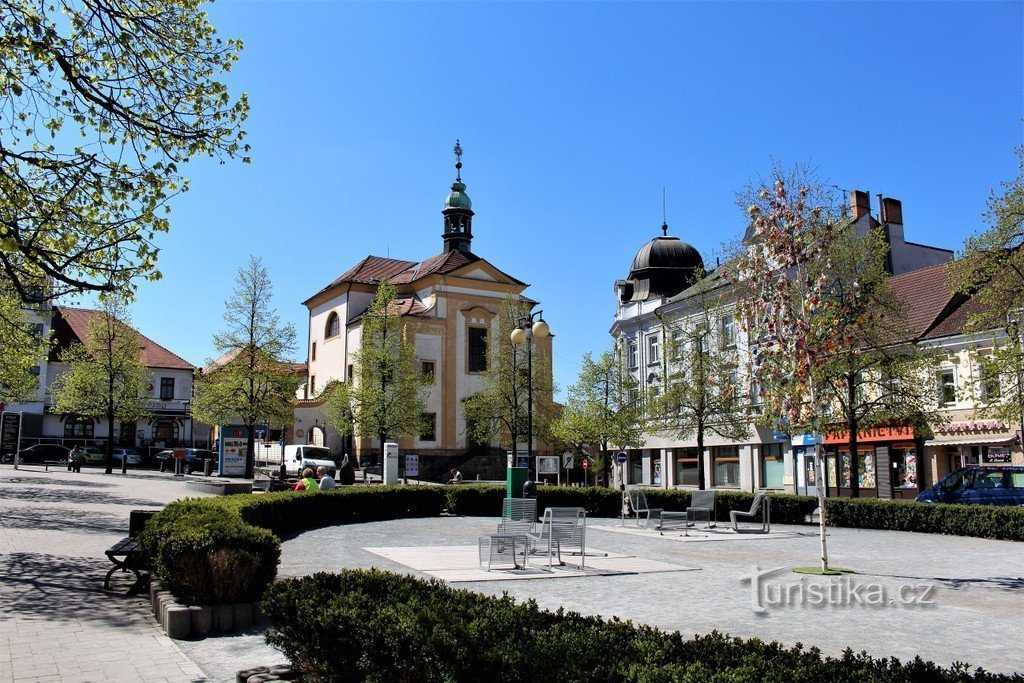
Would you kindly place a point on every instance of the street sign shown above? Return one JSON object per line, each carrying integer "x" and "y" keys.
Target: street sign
{"x": 621, "y": 458}
{"x": 586, "y": 464}
{"x": 566, "y": 461}
{"x": 547, "y": 464}
{"x": 412, "y": 465}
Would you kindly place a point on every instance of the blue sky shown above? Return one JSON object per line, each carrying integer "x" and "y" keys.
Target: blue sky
{"x": 573, "y": 117}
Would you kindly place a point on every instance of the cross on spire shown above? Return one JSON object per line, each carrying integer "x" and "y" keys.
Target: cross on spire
{"x": 458, "y": 160}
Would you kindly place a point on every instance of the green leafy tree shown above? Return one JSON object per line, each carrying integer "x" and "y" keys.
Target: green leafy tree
{"x": 499, "y": 408}
{"x": 253, "y": 382}
{"x": 703, "y": 391}
{"x": 22, "y": 347}
{"x": 604, "y": 408}
{"x": 106, "y": 378}
{"x": 991, "y": 271}
{"x": 101, "y": 103}
{"x": 387, "y": 396}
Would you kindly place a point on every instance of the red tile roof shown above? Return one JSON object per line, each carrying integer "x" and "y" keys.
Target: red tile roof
{"x": 927, "y": 296}
{"x": 74, "y": 322}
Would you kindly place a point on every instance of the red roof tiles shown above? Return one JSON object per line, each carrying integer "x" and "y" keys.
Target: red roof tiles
{"x": 74, "y": 322}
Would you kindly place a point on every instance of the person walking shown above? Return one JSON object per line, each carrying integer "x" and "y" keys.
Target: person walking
{"x": 326, "y": 481}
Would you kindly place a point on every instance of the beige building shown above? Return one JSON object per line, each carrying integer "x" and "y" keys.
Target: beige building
{"x": 450, "y": 301}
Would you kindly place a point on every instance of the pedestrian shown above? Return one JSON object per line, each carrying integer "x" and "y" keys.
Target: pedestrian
{"x": 75, "y": 458}
{"x": 455, "y": 476}
{"x": 326, "y": 481}
{"x": 307, "y": 483}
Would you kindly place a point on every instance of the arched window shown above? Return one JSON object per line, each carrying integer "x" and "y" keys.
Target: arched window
{"x": 333, "y": 328}
{"x": 76, "y": 425}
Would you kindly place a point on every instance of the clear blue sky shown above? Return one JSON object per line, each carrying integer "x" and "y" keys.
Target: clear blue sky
{"x": 573, "y": 117}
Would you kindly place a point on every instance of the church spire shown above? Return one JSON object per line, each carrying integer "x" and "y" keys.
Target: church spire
{"x": 458, "y": 211}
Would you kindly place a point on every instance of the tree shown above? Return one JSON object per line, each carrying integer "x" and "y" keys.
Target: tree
{"x": 991, "y": 271}
{"x": 387, "y": 396}
{"x": 499, "y": 408}
{"x": 790, "y": 306}
{"x": 253, "y": 382}
{"x": 703, "y": 391}
{"x": 604, "y": 408}
{"x": 23, "y": 348}
{"x": 875, "y": 378}
{"x": 106, "y": 378}
{"x": 101, "y": 102}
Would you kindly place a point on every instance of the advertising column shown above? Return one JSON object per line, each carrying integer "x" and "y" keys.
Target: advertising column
{"x": 234, "y": 439}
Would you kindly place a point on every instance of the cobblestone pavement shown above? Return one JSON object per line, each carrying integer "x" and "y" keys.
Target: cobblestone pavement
{"x": 56, "y": 621}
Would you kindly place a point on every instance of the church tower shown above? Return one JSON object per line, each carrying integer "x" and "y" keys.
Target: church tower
{"x": 458, "y": 212}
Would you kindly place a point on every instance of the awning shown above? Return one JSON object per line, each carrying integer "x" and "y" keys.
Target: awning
{"x": 962, "y": 440}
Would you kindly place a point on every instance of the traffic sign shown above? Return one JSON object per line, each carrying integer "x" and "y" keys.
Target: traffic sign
{"x": 621, "y": 458}
{"x": 586, "y": 464}
{"x": 567, "y": 461}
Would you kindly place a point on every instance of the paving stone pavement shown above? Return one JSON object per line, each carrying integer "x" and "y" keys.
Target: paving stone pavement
{"x": 56, "y": 621}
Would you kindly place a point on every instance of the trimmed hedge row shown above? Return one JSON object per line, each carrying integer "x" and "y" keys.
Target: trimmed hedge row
{"x": 1002, "y": 522}
{"x": 369, "y": 625}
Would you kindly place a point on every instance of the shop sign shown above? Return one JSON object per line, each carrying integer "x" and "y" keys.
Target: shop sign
{"x": 981, "y": 427}
{"x": 997, "y": 454}
{"x": 871, "y": 434}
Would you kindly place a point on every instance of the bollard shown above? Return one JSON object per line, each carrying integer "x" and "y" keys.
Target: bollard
{"x": 179, "y": 622}
{"x": 223, "y": 617}
{"x": 202, "y": 620}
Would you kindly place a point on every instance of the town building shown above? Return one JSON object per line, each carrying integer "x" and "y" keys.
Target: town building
{"x": 659, "y": 295}
{"x": 169, "y": 392}
{"x": 449, "y": 301}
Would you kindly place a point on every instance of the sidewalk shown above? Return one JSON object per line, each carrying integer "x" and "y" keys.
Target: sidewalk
{"x": 56, "y": 621}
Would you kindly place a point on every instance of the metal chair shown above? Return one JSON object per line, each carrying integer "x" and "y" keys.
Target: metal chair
{"x": 562, "y": 526}
{"x": 702, "y": 503}
{"x": 762, "y": 505}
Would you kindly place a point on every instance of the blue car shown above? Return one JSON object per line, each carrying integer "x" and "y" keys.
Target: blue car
{"x": 980, "y": 485}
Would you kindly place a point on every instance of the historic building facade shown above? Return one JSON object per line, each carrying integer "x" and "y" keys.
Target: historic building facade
{"x": 449, "y": 301}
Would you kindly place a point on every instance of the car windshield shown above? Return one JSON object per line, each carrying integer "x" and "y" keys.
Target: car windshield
{"x": 316, "y": 453}
{"x": 957, "y": 480}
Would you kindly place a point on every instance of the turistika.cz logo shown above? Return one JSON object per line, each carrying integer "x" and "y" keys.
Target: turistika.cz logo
{"x": 831, "y": 591}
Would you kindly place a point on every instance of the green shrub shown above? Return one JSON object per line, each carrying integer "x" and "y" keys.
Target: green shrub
{"x": 984, "y": 521}
{"x": 369, "y": 625}
{"x": 474, "y": 500}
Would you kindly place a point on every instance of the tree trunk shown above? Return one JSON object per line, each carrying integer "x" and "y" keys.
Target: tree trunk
{"x": 852, "y": 424}
{"x": 819, "y": 476}
{"x": 700, "y": 457}
{"x": 110, "y": 443}
{"x": 250, "y": 449}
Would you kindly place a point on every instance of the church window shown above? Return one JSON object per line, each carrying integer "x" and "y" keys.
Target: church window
{"x": 333, "y": 328}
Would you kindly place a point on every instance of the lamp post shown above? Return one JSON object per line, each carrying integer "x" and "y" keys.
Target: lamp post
{"x": 527, "y": 331}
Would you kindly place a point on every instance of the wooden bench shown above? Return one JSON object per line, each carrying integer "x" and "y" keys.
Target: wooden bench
{"x": 126, "y": 554}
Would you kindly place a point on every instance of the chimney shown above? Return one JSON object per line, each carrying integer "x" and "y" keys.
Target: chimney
{"x": 892, "y": 211}
{"x": 860, "y": 204}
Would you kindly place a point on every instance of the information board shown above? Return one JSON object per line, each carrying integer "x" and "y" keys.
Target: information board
{"x": 10, "y": 435}
{"x": 233, "y": 443}
{"x": 412, "y": 465}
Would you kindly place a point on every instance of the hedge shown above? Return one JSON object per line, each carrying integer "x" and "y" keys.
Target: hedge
{"x": 370, "y": 625}
{"x": 1001, "y": 522}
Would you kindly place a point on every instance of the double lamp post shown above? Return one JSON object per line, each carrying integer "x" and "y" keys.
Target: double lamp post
{"x": 525, "y": 333}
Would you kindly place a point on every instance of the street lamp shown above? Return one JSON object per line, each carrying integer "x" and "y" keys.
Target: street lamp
{"x": 527, "y": 331}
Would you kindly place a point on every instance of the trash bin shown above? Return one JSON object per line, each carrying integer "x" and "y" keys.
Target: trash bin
{"x": 529, "y": 489}
{"x": 207, "y": 468}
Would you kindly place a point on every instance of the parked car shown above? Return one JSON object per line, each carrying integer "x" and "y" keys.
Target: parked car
{"x": 980, "y": 485}
{"x": 93, "y": 455}
{"x": 130, "y": 455}
{"x": 299, "y": 457}
{"x": 44, "y": 452}
{"x": 192, "y": 458}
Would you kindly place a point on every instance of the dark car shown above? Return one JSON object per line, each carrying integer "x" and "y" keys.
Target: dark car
{"x": 980, "y": 485}
{"x": 44, "y": 452}
{"x": 192, "y": 459}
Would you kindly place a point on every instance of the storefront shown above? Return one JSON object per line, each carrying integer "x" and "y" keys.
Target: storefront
{"x": 972, "y": 442}
{"x": 803, "y": 460}
{"x": 887, "y": 463}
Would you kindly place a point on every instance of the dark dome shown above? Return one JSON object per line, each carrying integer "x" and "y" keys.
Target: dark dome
{"x": 664, "y": 267}
{"x": 666, "y": 252}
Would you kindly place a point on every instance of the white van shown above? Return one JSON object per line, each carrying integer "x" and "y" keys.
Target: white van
{"x": 297, "y": 458}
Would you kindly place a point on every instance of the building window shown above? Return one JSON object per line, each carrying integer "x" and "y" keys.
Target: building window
{"x": 312, "y": 385}
{"x": 904, "y": 468}
{"x": 333, "y": 327}
{"x": 165, "y": 432}
{"x": 427, "y": 368}
{"x": 477, "y": 349}
{"x": 725, "y": 466}
{"x": 946, "y": 380}
{"x": 350, "y": 372}
{"x": 632, "y": 355}
{"x": 312, "y": 352}
{"x": 166, "y": 388}
{"x": 428, "y": 427}
{"x": 653, "y": 349}
{"x": 772, "y": 466}
{"x": 988, "y": 386}
{"x": 686, "y": 466}
{"x": 865, "y": 469}
{"x": 76, "y": 426}
{"x": 727, "y": 326}
{"x": 676, "y": 350}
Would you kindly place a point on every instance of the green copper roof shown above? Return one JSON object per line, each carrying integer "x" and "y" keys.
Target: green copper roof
{"x": 458, "y": 199}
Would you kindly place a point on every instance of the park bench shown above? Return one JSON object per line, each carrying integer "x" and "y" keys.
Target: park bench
{"x": 561, "y": 527}
{"x": 126, "y": 554}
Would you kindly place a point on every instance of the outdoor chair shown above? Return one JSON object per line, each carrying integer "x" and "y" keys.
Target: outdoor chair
{"x": 518, "y": 516}
{"x": 702, "y": 504}
{"x": 762, "y": 506}
{"x": 561, "y": 527}
{"x": 665, "y": 518}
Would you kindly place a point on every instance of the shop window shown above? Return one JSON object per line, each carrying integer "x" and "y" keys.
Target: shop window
{"x": 996, "y": 455}
{"x": 477, "y": 349}
{"x": 946, "y": 380}
{"x": 725, "y": 466}
{"x": 904, "y": 468}
{"x": 772, "y": 466}
{"x": 865, "y": 467}
{"x": 165, "y": 432}
{"x": 686, "y": 466}
{"x": 76, "y": 426}
{"x": 653, "y": 349}
{"x": 333, "y": 326}
{"x": 166, "y": 388}
{"x": 428, "y": 427}
{"x": 636, "y": 467}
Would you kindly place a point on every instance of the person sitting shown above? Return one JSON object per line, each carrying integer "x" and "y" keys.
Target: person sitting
{"x": 307, "y": 483}
{"x": 455, "y": 476}
{"x": 326, "y": 481}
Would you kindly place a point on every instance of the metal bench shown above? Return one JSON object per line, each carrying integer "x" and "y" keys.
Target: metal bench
{"x": 561, "y": 527}
{"x": 762, "y": 505}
